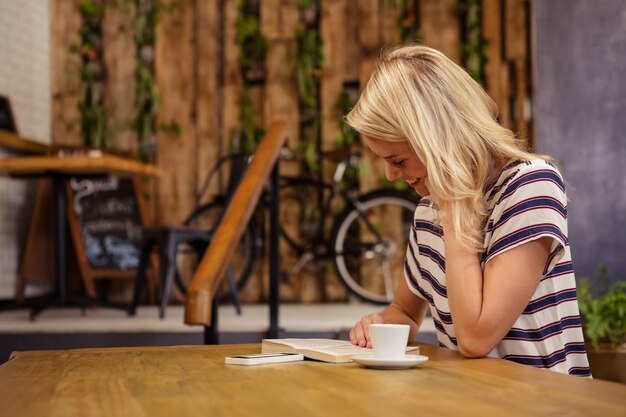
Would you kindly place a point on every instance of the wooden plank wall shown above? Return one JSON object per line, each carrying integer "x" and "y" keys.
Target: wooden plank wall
{"x": 65, "y": 23}
{"x": 199, "y": 82}
{"x": 508, "y": 79}
{"x": 119, "y": 60}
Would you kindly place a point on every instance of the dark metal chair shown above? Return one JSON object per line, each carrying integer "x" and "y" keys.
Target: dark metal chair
{"x": 167, "y": 240}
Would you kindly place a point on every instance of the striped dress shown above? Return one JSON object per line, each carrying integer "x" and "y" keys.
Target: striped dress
{"x": 527, "y": 202}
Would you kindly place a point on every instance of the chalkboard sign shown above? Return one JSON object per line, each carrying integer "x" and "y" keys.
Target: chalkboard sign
{"x": 105, "y": 217}
{"x": 106, "y": 222}
{"x": 7, "y": 122}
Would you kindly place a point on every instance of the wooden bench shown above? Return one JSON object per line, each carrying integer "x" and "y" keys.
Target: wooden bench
{"x": 199, "y": 306}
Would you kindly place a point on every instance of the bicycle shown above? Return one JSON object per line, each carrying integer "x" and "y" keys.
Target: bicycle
{"x": 366, "y": 240}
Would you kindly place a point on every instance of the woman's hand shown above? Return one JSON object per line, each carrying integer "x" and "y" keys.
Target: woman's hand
{"x": 405, "y": 308}
{"x": 360, "y": 333}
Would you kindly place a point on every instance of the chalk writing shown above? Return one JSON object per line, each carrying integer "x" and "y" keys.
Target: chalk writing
{"x": 93, "y": 250}
{"x": 109, "y": 220}
{"x": 87, "y": 187}
{"x": 125, "y": 254}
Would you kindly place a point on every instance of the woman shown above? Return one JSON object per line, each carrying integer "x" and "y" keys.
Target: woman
{"x": 488, "y": 252}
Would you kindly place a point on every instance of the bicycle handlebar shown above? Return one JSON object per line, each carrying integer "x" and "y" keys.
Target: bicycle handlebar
{"x": 214, "y": 169}
{"x": 343, "y": 157}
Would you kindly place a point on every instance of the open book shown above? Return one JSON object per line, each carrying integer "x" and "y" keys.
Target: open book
{"x": 327, "y": 350}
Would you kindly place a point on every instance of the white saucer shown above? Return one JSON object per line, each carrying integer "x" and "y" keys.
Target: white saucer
{"x": 372, "y": 361}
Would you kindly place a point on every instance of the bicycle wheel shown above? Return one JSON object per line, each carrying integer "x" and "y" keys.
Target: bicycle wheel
{"x": 207, "y": 217}
{"x": 370, "y": 242}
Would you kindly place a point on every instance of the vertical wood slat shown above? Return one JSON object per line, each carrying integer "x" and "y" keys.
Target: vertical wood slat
{"x": 119, "y": 61}
{"x": 531, "y": 48}
{"x": 207, "y": 97}
{"x": 507, "y": 70}
{"x": 66, "y": 85}
{"x": 232, "y": 77}
{"x": 279, "y": 21}
{"x": 175, "y": 81}
{"x": 516, "y": 37}
{"x": 389, "y": 24}
{"x": 334, "y": 35}
{"x": 505, "y": 88}
{"x": 204, "y": 108}
{"x": 369, "y": 37}
{"x": 370, "y": 40}
{"x": 492, "y": 34}
{"x": 351, "y": 25}
{"x": 337, "y": 27}
{"x": 440, "y": 26}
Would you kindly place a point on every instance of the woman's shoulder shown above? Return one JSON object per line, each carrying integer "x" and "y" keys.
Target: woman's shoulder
{"x": 535, "y": 171}
{"x": 526, "y": 177}
{"x": 426, "y": 210}
{"x": 530, "y": 165}
{"x": 531, "y": 178}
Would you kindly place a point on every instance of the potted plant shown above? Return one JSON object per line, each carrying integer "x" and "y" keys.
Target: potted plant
{"x": 604, "y": 325}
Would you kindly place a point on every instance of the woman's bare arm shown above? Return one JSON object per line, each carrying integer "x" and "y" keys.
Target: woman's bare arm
{"x": 485, "y": 304}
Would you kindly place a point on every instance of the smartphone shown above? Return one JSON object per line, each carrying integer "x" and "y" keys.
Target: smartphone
{"x": 263, "y": 358}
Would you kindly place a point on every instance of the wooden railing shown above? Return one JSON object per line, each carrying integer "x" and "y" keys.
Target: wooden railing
{"x": 210, "y": 272}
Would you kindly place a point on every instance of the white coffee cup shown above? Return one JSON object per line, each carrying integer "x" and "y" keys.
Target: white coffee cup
{"x": 389, "y": 340}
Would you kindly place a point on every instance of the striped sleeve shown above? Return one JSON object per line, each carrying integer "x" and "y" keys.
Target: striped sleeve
{"x": 412, "y": 272}
{"x": 532, "y": 206}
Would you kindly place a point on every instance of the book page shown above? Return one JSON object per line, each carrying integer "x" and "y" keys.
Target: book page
{"x": 341, "y": 350}
{"x": 313, "y": 344}
{"x": 350, "y": 349}
{"x": 331, "y": 350}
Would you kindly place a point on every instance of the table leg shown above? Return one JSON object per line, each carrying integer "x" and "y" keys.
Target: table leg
{"x": 59, "y": 224}
{"x": 59, "y": 206}
{"x": 60, "y": 296}
{"x": 274, "y": 256}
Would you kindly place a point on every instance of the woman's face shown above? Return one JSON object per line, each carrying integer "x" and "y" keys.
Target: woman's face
{"x": 401, "y": 162}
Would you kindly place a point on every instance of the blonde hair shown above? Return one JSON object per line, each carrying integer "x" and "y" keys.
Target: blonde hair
{"x": 417, "y": 94}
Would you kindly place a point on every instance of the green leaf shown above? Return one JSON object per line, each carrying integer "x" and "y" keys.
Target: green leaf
{"x": 603, "y": 311}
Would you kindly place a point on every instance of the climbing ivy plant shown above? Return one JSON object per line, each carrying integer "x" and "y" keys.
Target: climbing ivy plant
{"x": 347, "y": 136}
{"x": 253, "y": 47}
{"x": 147, "y": 98}
{"x": 309, "y": 62}
{"x": 93, "y": 115}
{"x": 408, "y": 20}
{"x": 145, "y": 19}
{"x": 91, "y": 106}
{"x": 473, "y": 43}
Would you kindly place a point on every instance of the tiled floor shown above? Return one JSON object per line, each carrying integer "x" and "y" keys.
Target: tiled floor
{"x": 294, "y": 317}
{"x": 101, "y": 327}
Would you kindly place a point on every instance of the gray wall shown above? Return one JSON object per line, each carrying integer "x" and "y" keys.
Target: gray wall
{"x": 25, "y": 80}
{"x": 581, "y": 121}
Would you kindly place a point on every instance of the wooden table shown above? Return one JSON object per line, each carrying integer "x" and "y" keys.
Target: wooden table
{"x": 16, "y": 143}
{"x": 98, "y": 164}
{"x": 194, "y": 381}
{"x": 60, "y": 169}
